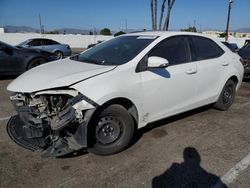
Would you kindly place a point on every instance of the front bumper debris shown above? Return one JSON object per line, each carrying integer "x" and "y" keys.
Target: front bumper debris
{"x": 56, "y": 134}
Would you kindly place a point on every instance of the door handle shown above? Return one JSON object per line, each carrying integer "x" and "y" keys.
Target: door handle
{"x": 225, "y": 63}
{"x": 191, "y": 71}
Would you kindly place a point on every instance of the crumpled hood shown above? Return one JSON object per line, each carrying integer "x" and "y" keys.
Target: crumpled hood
{"x": 60, "y": 73}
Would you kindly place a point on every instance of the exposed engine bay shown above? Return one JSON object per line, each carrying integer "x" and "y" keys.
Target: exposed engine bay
{"x": 53, "y": 121}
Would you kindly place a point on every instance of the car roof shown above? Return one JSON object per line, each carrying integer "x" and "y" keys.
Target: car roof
{"x": 164, "y": 33}
{"x": 40, "y": 39}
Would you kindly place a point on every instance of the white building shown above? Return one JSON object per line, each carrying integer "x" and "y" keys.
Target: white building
{"x": 1, "y": 30}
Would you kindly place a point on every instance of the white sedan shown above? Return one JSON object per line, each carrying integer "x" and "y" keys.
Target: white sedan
{"x": 97, "y": 99}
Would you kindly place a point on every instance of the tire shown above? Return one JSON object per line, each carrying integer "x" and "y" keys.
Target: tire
{"x": 227, "y": 96}
{"x": 35, "y": 62}
{"x": 113, "y": 131}
{"x": 58, "y": 54}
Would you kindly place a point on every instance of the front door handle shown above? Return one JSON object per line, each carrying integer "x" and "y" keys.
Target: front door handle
{"x": 225, "y": 63}
{"x": 191, "y": 71}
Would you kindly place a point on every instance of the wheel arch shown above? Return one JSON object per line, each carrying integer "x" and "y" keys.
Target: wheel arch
{"x": 57, "y": 50}
{"x": 28, "y": 63}
{"x": 235, "y": 79}
{"x": 126, "y": 103}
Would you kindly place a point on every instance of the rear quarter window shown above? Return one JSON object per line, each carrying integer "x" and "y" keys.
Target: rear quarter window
{"x": 204, "y": 48}
{"x": 50, "y": 42}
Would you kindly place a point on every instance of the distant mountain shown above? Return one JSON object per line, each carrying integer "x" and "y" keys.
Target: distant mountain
{"x": 26, "y": 29}
{"x": 75, "y": 31}
{"x": 19, "y": 29}
{"x": 243, "y": 30}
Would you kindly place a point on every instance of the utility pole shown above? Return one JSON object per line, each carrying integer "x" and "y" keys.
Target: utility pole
{"x": 126, "y": 25}
{"x": 228, "y": 18}
{"x": 40, "y": 22}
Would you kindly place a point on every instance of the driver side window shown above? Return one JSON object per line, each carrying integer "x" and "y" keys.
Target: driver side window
{"x": 174, "y": 49}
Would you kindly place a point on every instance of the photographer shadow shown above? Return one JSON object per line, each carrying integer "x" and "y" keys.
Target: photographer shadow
{"x": 188, "y": 174}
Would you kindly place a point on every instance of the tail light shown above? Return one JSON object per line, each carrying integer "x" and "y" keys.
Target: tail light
{"x": 242, "y": 61}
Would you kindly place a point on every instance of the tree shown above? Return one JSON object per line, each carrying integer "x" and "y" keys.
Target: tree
{"x": 154, "y": 14}
{"x": 170, "y": 6}
{"x": 190, "y": 29}
{"x": 223, "y": 35}
{"x": 153, "y": 5}
{"x": 162, "y": 12}
{"x": 119, "y": 33}
{"x": 105, "y": 31}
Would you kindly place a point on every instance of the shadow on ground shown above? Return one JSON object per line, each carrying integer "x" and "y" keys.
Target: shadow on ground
{"x": 246, "y": 80}
{"x": 166, "y": 121}
{"x": 188, "y": 174}
{"x": 139, "y": 133}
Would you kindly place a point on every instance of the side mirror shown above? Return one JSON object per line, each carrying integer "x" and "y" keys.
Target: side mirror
{"x": 157, "y": 62}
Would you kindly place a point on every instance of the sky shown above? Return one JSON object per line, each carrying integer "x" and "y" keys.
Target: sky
{"x": 88, "y": 14}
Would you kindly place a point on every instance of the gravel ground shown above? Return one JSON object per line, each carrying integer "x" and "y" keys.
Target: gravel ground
{"x": 211, "y": 142}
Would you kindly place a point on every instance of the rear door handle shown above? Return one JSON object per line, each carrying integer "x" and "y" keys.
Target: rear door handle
{"x": 191, "y": 71}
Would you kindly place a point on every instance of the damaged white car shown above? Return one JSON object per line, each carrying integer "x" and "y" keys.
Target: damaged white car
{"x": 96, "y": 100}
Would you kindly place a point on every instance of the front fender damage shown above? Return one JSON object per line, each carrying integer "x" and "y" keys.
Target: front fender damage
{"x": 53, "y": 123}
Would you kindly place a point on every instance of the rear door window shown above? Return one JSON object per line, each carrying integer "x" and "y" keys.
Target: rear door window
{"x": 49, "y": 42}
{"x": 204, "y": 48}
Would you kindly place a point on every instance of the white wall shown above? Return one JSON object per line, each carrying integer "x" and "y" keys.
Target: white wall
{"x": 1, "y": 30}
{"x": 75, "y": 41}
{"x": 239, "y": 41}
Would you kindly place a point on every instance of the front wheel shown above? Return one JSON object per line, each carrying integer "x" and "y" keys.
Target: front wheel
{"x": 227, "y": 96}
{"x": 35, "y": 62}
{"x": 58, "y": 54}
{"x": 113, "y": 131}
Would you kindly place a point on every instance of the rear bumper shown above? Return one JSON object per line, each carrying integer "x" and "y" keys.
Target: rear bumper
{"x": 246, "y": 68}
{"x": 67, "y": 53}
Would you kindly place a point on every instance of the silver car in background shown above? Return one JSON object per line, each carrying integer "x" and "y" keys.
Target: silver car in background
{"x": 60, "y": 50}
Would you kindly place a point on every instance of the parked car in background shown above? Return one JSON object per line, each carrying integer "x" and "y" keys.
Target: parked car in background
{"x": 60, "y": 50}
{"x": 14, "y": 61}
{"x": 232, "y": 46}
{"x": 244, "y": 52}
{"x": 92, "y": 45}
{"x": 97, "y": 99}
{"x": 247, "y": 41}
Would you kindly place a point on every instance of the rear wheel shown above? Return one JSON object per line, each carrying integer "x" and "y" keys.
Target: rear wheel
{"x": 35, "y": 62}
{"x": 113, "y": 131}
{"x": 227, "y": 96}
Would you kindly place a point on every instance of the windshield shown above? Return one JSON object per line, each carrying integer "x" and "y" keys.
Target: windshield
{"x": 247, "y": 45}
{"x": 23, "y": 43}
{"x": 117, "y": 51}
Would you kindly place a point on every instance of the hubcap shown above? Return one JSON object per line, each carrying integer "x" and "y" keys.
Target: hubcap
{"x": 108, "y": 130}
{"x": 59, "y": 55}
{"x": 227, "y": 95}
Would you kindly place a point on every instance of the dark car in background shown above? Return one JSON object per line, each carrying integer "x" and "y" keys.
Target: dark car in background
{"x": 14, "y": 61}
{"x": 94, "y": 44}
{"x": 60, "y": 50}
{"x": 232, "y": 46}
{"x": 244, "y": 52}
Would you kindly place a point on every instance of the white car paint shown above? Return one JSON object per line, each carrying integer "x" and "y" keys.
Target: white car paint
{"x": 183, "y": 87}
{"x": 56, "y": 74}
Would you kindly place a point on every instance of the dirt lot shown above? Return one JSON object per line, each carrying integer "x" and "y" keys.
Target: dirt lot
{"x": 212, "y": 142}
